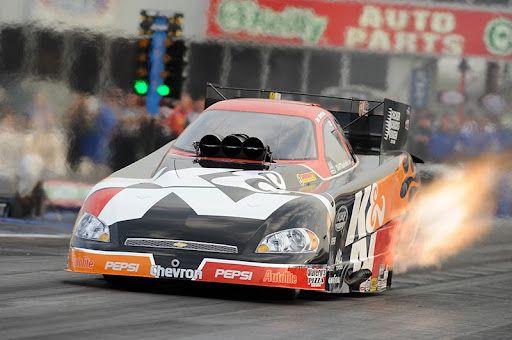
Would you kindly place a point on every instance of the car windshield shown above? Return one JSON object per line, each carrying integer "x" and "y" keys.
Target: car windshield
{"x": 289, "y": 137}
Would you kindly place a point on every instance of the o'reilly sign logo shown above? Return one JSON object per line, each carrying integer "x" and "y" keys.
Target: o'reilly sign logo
{"x": 498, "y": 36}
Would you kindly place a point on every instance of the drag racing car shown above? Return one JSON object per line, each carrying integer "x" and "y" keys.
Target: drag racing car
{"x": 259, "y": 191}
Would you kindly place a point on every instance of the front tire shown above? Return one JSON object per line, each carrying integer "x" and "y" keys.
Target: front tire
{"x": 118, "y": 280}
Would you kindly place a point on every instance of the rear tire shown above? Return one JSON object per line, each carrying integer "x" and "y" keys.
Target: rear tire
{"x": 390, "y": 279}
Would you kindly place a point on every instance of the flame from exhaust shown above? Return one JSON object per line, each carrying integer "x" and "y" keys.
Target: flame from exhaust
{"x": 449, "y": 214}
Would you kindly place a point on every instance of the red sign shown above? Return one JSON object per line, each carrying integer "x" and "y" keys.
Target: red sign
{"x": 376, "y": 27}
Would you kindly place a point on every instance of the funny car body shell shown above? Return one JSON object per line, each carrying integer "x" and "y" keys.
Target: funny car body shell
{"x": 173, "y": 216}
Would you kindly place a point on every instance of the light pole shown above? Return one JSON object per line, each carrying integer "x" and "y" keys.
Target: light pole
{"x": 463, "y": 68}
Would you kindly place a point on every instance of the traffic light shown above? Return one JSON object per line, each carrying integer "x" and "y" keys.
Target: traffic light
{"x": 174, "y": 59}
{"x": 169, "y": 46}
{"x": 174, "y": 70}
{"x": 141, "y": 83}
{"x": 146, "y": 21}
{"x": 175, "y": 26}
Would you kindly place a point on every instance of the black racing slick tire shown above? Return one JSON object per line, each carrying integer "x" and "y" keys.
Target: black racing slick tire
{"x": 118, "y": 280}
{"x": 390, "y": 280}
{"x": 283, "y": 293}
{"x": 291, "y": 294}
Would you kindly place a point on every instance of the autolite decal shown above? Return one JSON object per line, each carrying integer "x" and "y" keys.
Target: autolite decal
{"x": 263, "y": 274}
{"x": 82, "y": 262}
{"x": 110, "y": 262}
{"x": 280, "y": 277}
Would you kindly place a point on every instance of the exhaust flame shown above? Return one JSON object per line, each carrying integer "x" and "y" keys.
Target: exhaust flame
{"x": 449, "y": 215}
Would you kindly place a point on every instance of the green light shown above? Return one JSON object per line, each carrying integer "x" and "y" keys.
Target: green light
{"x": 163, "y": 90}
{"x": 140, "y": 87}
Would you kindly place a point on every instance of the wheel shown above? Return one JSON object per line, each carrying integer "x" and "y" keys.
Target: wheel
{"x": 390, "y": 279}
{"x": 117, "y": 280}
{"x": 283, "y": 293}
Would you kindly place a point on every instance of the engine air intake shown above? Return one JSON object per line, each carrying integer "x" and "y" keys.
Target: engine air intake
{"x": 209, "y": 145}
{"x": 232, "y": 145}
{"x": 254, "y": 149}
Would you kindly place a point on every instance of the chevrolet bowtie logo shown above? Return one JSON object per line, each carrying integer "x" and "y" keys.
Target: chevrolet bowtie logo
{"x": 180, "y": 244}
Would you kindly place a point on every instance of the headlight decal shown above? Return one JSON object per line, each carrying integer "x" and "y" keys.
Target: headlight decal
{"x": 89, "y": 227}
{"x": 294, "y": 240}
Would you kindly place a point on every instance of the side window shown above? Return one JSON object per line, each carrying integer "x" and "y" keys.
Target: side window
{"x": 345, "y": 141}
{"x": 337, "y": 156}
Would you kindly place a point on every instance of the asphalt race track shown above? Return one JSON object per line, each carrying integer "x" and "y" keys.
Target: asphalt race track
{"x": 470, "y": 297}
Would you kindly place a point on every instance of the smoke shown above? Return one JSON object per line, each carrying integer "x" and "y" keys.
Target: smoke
{"x": 450, "y": 214}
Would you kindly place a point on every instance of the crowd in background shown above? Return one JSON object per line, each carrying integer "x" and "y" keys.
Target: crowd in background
{"x": 454, "y": 137}
{"x": 97, "y": 135}
{"x": 109, "y": 131}
{"x": 114, "y": 130}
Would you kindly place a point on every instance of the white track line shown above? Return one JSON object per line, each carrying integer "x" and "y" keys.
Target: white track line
{"x": 28, "y": 235}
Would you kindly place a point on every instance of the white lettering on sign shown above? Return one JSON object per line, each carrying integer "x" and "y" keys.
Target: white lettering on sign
{"x": 405, "y": 30}
{"x": 250, "y": 17}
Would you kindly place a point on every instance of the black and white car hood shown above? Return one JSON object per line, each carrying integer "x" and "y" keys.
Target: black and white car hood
{"x": 183, "y": 200}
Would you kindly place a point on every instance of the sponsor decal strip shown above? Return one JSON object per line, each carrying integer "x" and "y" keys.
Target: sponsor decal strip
{"x": 311, "y": 277}
{"x": 263, "y": 274}
{"x": 110, "y": 262}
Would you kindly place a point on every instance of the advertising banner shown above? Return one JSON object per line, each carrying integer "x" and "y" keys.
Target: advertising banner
{"x": 367, "y": 26}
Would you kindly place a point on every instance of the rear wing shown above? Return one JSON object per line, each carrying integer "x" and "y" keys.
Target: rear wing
{"x": 371, "y": 127}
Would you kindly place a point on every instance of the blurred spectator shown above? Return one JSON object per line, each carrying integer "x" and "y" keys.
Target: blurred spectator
{"x": 78, "y": 124}
{"x": 444, "y": 140}
{"x": 40, "y": 113}
{"x": 133, "y": 106}
{"x": 7, "y": 118}
{"x": 504, "y": 137}
{"x": 420, "y": 137}
{"x": 197, "y": 108}
{"x": 177, "y": 119}
{"x": 95, "y": 142}
{"x": 136, "y": 137}
{"x": 123, "y": 143}
{"x": 166, "y": 106}
{"x": 476, "y": 137}
{"x": 152, "y": 135}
